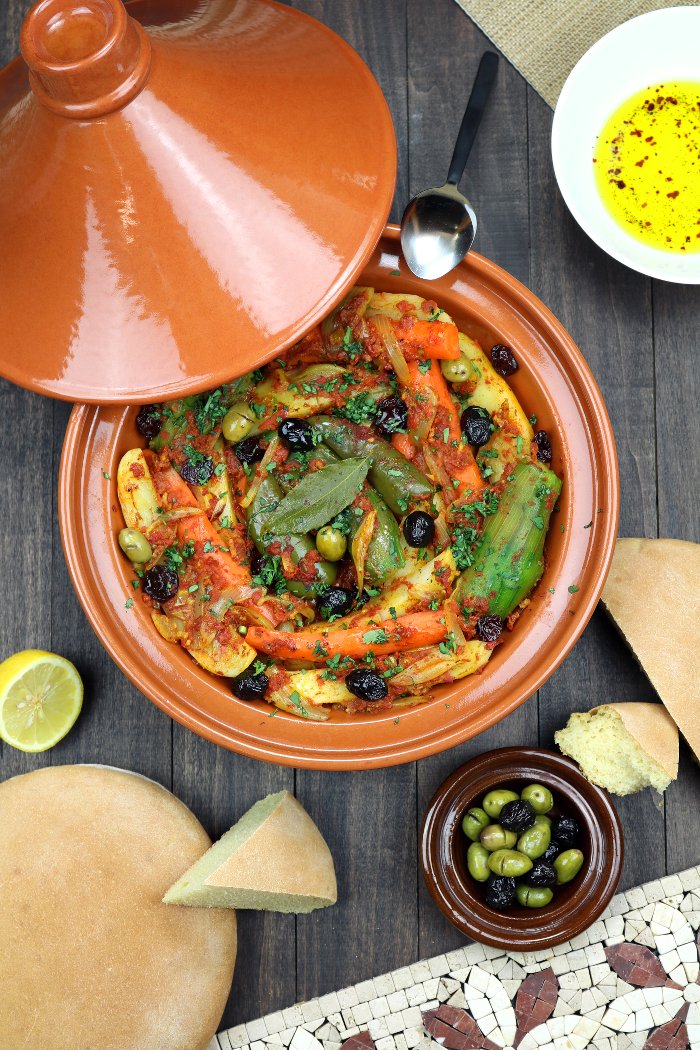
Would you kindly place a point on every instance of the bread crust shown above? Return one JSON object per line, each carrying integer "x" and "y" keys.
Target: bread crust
{"x": 287, "y": 854}
{"x": 653, "y": 594}
{"x": 654, "y": 730}
{"x": 90, "y": 955}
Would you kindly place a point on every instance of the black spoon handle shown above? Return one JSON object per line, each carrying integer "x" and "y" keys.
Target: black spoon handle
{"x": 485, "y": 76}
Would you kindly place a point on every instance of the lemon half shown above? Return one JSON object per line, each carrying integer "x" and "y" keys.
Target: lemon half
{"x": 41, "y": 695}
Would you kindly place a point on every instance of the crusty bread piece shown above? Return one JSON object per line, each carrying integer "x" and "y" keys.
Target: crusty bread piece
{"x": 273, "y": 859}
{"x": 653, "y": 594}
{"x": 89, "y": 955}
{"x": 623, "y": 747}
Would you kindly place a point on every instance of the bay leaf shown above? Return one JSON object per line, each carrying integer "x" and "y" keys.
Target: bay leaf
{"x": 319, "y": 497}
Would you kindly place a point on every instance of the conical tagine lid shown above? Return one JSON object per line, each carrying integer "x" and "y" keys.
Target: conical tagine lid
{"x": 185, "y": 189}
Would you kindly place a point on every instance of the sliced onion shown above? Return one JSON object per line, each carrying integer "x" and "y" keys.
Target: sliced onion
{"x": 360, "y": 546}
{"x": 424, "y": 427}
{"x": 260, "y": 473}
{"x": 439, "y": 476}
{"x": 453, "y": 625}
{"x": 179, "y": 512}
{"x": 393, "y": 349}
{"x": 442, "y": 534}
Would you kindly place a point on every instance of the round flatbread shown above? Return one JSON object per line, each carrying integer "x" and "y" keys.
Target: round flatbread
{"x": 653, "y": 595}
{"x": 90, "y": 956}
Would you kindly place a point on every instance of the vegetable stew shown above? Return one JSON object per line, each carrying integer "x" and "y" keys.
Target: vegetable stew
{"x": 359, "y": 521}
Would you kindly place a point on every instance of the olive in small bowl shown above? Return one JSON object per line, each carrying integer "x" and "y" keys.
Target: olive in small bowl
{"x": 517, "y": 913}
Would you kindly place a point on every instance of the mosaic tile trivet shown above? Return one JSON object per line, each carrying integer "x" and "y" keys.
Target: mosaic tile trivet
{"x": 630, "y": 982}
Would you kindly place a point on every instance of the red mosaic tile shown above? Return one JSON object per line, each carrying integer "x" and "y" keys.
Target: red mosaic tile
{"x": 456, "y": 1029}
{"x": 535, "y": 1002}
{"x": 671, "y": 1036}
{"x": 638, "y": 965}
{"x": 361, "y": 1041}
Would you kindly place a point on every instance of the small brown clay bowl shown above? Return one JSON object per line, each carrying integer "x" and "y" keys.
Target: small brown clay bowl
{"x": 553, "y": 381}
{"x": 460, "y": 898}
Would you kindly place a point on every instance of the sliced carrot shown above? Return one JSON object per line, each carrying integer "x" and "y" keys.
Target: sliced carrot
{"x": 404, "y": 444}
{"x": 458, "y": 460}
{"x": 407, "y": 632}
{"x": 428, "y": 339}
{"x": 197, "y": 528}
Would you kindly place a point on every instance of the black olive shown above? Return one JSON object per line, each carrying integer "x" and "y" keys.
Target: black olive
{"x": 296, "y": 435}
{"x": 366, "y": 684}
{"x": 392, "y": 415}
{"x": 257, "y": 562}
{"x": 477, "y": 425}
{"x": 541, "y": 874}
{"x": 160, "y": 583}
{"x": 199, "y": 472}
{"x": 552, "y": 852}
{"x": 489, "y": 628}
{"x": 249, "y": 450}
{"x": 503, "y": 360}
{"x": 566, "y": 831}
{"x": 544, "y": 446}
{"x": 500, "y": 892}
{"x": 335, "y": 601}
{"x": 419, "y": 529}
{"x": 517, "y": 816}
{"x": 249, "y": 686}
{"x": 148, "y": 421}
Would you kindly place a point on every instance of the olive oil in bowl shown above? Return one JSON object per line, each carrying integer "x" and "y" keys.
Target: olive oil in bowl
{"x": 647, "y": 166}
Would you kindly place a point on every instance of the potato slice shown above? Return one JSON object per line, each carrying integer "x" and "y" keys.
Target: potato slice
{"x": 387, "y": 303}
{"x": 137, "y": 493}
{"x": 494, "y": 394}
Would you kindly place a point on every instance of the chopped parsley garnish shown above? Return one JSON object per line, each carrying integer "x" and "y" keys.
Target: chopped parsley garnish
{"x": 270, "y": 574}
{"x": 106, "y": 475}
{"x": 174, "y": 556}
{"x": 378, "y": 636}
{"x": 351, "y": 347}
{"x": 210, "y": 412}
{"x": 424, "y": 367}
{"x": 359, "y": 409}
{"x": 573, "y": 589}
{"x": 128, "y": 603}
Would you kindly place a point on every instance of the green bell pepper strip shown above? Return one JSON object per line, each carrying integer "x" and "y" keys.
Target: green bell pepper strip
{"x": 398, "y": 482}
{"x": 510, "y": 557}
{"x": 266, "y": 500}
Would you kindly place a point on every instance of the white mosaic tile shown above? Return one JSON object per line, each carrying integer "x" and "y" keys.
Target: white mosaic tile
{"x": 609, "y": 988}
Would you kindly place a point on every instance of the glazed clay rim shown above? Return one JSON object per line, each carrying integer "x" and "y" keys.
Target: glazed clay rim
{"x": 443, "y": 848}
{"x": 199, "y": 702}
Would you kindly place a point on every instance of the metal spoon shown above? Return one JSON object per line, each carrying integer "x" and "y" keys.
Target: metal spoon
{"x": 439, "y": 225}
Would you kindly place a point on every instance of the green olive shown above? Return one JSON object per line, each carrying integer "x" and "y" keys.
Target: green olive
{"x": 478, "y": 862}
{"x": 459, "y": 371}
{"x": 533, "y": 896}
{"x": 495, "y": 801}
{"x": 473, "y": 822}
{"x": 542, "y": 818}
{"x": 567, "y": 865}
{"x": 509, "y": 863}
{"x": 135, "y": 546}
{"x": 539, "y": 797}
{"x": 495, "y": 837}
{"x": 330, "y": 543}
{"x": 534, "y": 842}
{"x": 238, "y": 422}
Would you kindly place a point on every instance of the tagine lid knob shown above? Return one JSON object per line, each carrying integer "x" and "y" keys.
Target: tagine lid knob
{"x": 186, "y": 188}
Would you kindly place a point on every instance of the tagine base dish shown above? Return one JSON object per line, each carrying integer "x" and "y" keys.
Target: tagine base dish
{"x": 619, "y": 985}
{"x": 553, "y": 381}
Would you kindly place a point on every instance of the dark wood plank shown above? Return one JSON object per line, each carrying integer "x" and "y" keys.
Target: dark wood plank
{"x": 676, "y": 321}
{"x": 444, "y": 48}
{"x": 219, "y": 787}
{"x": 369, "y": 818}
{"x": 607, "y": 309}
{"x": 26, "y": 537}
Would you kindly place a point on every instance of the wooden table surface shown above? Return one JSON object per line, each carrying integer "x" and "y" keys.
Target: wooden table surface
{"x": 639, "y": 336}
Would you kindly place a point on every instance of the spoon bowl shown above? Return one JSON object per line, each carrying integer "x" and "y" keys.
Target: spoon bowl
{"x": 439, "y": 225}
{"x": 437, "y": 231}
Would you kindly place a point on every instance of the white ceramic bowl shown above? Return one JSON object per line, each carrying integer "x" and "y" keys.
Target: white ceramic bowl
{"x": 662, "y": 45}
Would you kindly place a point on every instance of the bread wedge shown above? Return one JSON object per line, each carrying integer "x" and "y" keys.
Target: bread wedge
{"x": 623, "y": 747}
{"x": 653, "y": 595}
{"x": 273, "y": 859}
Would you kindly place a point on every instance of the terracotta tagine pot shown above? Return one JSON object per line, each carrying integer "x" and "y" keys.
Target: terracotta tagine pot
{"x": 186, "y": 186}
